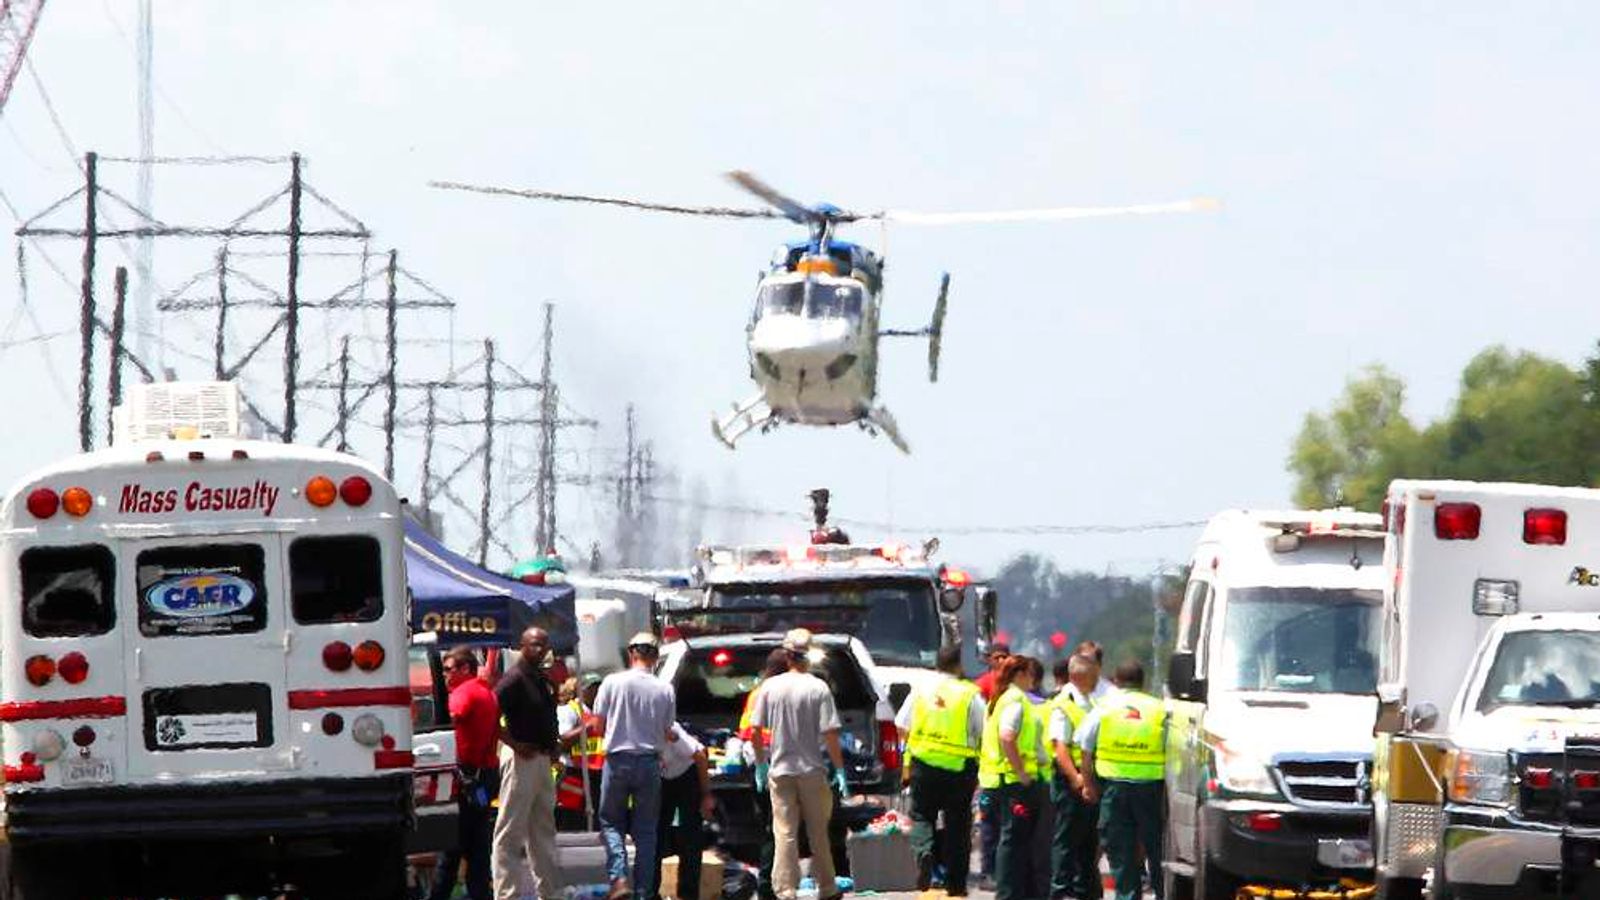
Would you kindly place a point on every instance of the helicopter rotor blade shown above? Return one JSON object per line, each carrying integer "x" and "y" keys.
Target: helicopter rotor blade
{"x": 792, "y": 209}
{"x": 726, "y": 212}
{"x": 907, "y": 217}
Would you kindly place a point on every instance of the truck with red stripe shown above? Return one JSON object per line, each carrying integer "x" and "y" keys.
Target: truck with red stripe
{"x": 203, "y": 660}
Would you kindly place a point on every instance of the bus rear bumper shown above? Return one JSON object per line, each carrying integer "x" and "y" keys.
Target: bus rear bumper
{"x": 245, "y": 809}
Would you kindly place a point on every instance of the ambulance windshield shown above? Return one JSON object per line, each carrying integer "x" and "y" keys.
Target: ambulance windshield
{"x": 1544, "y": 668}
{"x": 1301, "y": 639}
{"x": 895, "y": 618}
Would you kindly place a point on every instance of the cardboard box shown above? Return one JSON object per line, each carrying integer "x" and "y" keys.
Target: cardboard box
{"x": 882, "y": 862}
{"x": 710, "y": 877}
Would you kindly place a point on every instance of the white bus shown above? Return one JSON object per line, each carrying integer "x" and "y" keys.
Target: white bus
{"x": 203, "y": 676}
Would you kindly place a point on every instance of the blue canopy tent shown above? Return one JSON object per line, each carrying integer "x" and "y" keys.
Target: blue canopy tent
{"x": 465, "y": 604}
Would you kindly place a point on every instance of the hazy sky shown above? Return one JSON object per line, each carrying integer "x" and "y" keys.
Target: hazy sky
{"x": 1403, "y": 183}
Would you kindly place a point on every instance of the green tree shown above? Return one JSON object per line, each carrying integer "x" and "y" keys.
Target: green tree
{"x": 1350, "y": 453}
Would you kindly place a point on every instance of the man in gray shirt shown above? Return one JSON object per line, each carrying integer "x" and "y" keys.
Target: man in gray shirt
{"x": 797, "y": 709}
{"x": 636, "y": 711}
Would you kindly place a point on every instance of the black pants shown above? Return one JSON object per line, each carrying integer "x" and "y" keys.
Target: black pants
{"x": 474, "y": 825}
{"x": 1014, "y": 875}
{"x": 934, "y": 791}
{"x": 1075, "y": 845}
{"x": 681, "y": 797}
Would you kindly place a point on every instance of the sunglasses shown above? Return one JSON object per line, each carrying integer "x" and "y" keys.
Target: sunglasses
{"x": 453, "y": 668}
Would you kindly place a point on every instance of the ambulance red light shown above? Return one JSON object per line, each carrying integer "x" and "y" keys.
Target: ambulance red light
{"x": 321, "y": 491}
{"x": 197, "y": 456}
{"x": 957, "y": 578}
{"x": 355, "y": 490}
{"x": 891, "y": 552}
{"x": 1586, "y": 780}
{"x": 888, "y": 744}
{"x": 154, "y": 456}
{"x": 721, "y": 658}
{"x": 24, "y": 773}
{"x": 77, "y": 502}
{"x": 1544, "y": 526}
{"x": 801, "y": 553}
{"x": 1457, "y": 521}
{"x": 672, "y": 633}
{"x": 74, "y": 668}
{"x": 332, "y": 724}
{"x": 368, "y": 655}
{"x": 29, "y": 758}
{"x": 337, "y": 656}
{"x": 83, "y": 736}
{"x": 1538, "y": 779}
{"x": 39, "y": 669}
{"x": 240, "y": 454}
{"x": 43, "y": 503}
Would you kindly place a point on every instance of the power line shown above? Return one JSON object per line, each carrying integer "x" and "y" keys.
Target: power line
{"x": 1035, "y": 530}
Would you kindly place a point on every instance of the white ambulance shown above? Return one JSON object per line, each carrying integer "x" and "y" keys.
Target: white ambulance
{"x": 203, "y": 665}
{"x": 1487, "y": 775}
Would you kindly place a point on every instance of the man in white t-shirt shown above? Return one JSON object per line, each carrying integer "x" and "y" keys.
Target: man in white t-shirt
{"x": 686, "y": 797}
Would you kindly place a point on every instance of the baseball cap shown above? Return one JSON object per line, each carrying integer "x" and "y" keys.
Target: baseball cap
{"x": 798, "y": 640}
{"x": 645, "y": 639}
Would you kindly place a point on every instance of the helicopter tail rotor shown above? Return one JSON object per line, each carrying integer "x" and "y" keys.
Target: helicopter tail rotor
{"x": 936, "y": 327}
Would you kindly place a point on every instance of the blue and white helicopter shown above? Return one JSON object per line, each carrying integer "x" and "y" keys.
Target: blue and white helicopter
{"x": 813, "y": 334}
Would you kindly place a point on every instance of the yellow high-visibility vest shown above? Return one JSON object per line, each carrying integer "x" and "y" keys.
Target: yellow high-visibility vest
{"x": 994, "y": 769}
{"x": 938, "y": 735}
{"x": 1129, "y": 745}
{"x": 1075, "y": 715}
{"x": 590, "y": 749}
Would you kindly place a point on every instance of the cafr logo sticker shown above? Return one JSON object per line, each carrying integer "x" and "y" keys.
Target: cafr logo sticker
{"x": 200, "y": 595}
{"x": 1583, "y": 577}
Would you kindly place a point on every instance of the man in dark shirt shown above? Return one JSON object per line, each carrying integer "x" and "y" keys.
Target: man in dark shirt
{"x": 525, "y": 830}
{"x": 475, "y": 715}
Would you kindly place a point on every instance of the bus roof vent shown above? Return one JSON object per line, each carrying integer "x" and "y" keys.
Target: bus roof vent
{"x": 180, "y": 409}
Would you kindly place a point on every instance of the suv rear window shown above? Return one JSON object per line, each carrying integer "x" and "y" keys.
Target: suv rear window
{"x": 68, "y": 591}
{"x": 713, "y": 681}
{"x": 193, "y": 590}
{"x": 335, "y": 579}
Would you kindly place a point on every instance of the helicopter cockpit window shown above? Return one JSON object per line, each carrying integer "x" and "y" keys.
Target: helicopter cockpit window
{"x": 783, "y": 298}
{"x": 834, "y": 301}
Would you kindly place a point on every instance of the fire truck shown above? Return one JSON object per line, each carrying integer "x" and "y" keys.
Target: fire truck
{"x": 204, "y": 680}
{"x": 892, "y": 596}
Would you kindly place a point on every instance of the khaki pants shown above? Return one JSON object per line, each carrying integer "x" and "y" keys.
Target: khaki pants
{"x": 525, "y": 830}
{"x": 798, "y": 799}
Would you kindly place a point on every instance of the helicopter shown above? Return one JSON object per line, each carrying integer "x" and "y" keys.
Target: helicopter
{"x": 813, "y": 333}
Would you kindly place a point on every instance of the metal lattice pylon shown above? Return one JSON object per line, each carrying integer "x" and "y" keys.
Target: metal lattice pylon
{"x": 18, "y": 19}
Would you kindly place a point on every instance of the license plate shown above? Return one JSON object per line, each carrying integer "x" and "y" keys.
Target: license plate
{"x": 1345, "y": 853}
{"x": 87, "y": 771}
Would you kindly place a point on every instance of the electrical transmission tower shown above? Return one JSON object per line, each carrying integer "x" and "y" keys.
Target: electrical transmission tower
{"x": 18, "y": 21}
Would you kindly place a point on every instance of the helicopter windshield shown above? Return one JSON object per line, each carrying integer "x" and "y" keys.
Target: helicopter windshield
{"x": 785, "y": 297}
{"x": 827, "y": 301}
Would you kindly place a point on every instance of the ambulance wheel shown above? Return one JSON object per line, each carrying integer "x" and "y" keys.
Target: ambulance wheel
{"x": 1399, "y": 889}
{"x": 1210, "y": 882}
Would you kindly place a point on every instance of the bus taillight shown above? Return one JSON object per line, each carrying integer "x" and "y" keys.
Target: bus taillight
{"x": 367, "y": 729}
{"x": 355, "y": 490}
{"x": 39, "y": 669}
{"x": 77, "y": 502}
{"x": 368, "y": 655}
{"x": 332, "y": 724}
{"x": 49, "y": 745}
{"x": 74, "y": 667}
{"x": 83, "y": 736}
{"x": 43, "y": 503}
{"x": 321, "y": 491}
{"x": 337, "y": 656}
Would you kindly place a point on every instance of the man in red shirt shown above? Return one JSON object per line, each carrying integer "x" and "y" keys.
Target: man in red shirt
{"x": 475, "y": 714}
{"x": 998, "y": 651}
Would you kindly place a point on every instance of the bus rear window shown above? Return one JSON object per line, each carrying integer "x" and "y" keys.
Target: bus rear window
{"x": 335, "y": 579}
{"x": 68, "y": 591}
{"x": 207, "y": 589}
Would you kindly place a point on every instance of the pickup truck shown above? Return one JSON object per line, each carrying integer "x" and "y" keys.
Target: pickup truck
{"x": 712, "y": 677}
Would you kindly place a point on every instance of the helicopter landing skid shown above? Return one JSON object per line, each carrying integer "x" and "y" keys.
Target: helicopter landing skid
{"x": 878, "y": 419}
{"x": 745, "y": 418}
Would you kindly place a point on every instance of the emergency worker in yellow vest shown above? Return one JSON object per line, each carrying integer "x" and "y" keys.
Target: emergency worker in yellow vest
{"x": 1124, "y": 747}
{"x": 777, "y": 664}
{"x": 942, "y": 726}
{"x": 583, "y": 757}
{"x": 1010, "y": 765}
{"x": 1074, "y": 847}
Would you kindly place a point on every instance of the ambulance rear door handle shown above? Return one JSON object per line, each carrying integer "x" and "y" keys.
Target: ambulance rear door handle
{"x": 426, "y": 750}
{"x": 138, "y": 664}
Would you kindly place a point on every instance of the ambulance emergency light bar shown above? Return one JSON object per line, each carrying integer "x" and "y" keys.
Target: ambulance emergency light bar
{"x": 814, "y": 555}
{"x": 1291, "y": 532}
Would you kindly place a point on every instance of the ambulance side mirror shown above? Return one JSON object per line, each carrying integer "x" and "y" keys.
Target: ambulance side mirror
{"x": 951, "y": 598}
{"x": 1181, "y": 681}
{"x": 987, "y": 612}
